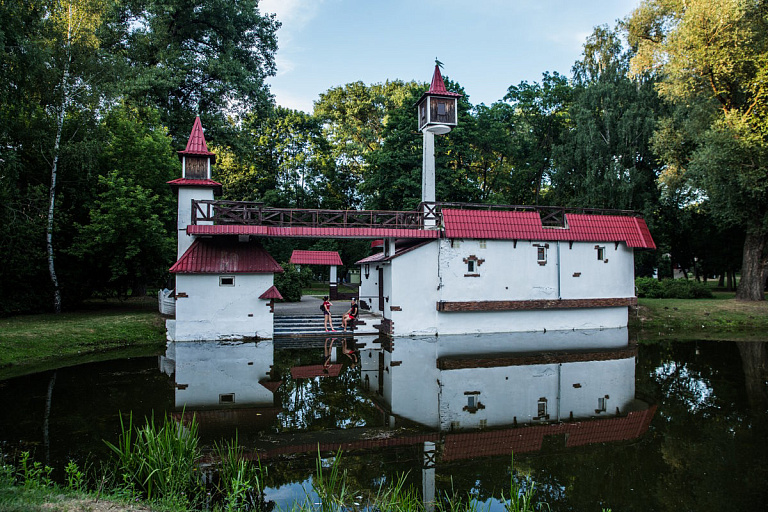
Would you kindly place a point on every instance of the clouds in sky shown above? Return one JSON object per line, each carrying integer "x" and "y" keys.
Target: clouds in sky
{"x": 486, "y": 45}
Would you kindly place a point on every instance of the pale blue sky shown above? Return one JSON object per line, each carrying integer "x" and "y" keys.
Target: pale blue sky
{"x": 485, "y": 45}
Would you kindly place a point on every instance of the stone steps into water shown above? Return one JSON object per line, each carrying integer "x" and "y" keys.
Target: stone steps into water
{"x": 313, "y": 325}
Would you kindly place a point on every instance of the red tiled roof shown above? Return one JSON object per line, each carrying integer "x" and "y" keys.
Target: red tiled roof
{"x": 271, "y": 293}
{"x": 225, "y": 256}
{"x": 402, "y": 247}
{"x": 370, "y": 259}
{"x": 186, "y": 182}
{"x": 437, "y": 86}
{"x": 315, "y": 258}
{"x": 515, "y": 225}
{"x": 280, "y": 232}
{"x": 315, "y": 370}
{"x": 377, "y": 243}
{"x": 196, "y": 144}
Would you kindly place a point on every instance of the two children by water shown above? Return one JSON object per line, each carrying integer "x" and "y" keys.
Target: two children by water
{"x": 348, "y": 319}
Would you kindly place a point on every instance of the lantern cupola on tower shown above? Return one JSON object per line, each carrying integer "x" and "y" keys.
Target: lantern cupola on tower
{"x": 196, "y": 159}
{"x": 437, "y": 107}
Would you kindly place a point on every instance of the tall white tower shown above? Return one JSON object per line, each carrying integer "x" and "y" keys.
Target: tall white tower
{"x": 437, "y": 114}
{"x": 195, "y": 182}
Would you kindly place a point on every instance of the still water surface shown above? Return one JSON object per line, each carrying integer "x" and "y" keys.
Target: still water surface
{"x": 597, "y": 421}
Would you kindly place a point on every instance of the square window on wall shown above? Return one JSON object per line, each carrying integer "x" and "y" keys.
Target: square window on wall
{"x": 226, "y": 280}
{"x": 600, "y": 253}
{"x": 542, "y": 409}
{"x": 541, "y": 254}
{"x": 483, "y": 244}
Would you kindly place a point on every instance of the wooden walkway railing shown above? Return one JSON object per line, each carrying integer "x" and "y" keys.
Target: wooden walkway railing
{"x": 245, "y": 212}
{"x": 255, "y": 213}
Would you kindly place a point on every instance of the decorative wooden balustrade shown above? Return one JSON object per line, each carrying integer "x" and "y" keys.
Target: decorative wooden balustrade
{"x": 245, "y": 212}
{"x": 255, "y": 213}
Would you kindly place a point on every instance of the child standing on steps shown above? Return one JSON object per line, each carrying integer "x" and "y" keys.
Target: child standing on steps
{"x": 326, "y": 308}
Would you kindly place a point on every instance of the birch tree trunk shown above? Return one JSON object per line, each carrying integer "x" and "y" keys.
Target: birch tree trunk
{"x": 65, "y": 98}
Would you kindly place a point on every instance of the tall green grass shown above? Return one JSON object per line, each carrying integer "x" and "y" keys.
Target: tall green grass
{"x": 159, "y": 463}
{"x": 239, "y": 482}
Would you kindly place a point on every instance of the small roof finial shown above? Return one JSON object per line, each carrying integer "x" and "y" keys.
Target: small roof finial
{"x": 438, "y": 63}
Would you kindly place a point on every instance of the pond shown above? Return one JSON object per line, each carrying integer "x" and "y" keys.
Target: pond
{"x": 597, "y": 421}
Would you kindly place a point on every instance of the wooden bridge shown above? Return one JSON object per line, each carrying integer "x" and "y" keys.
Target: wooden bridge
{"x": 256, "y": 214}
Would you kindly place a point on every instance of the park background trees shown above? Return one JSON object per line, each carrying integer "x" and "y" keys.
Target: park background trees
{"x": 664, "y": 114}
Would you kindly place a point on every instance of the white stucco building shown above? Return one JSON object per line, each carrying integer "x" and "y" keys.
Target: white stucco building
{"x": 503, "y": 271}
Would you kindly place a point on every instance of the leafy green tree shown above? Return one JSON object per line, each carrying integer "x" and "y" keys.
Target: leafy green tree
{"x": 126, "y": 244}
{"x": 494, "y": 148}
{"x": 712, "y": 59}
{"x": 186, "y": 57}
{"x": 605, "y": 159}
{"x": 128, "y": 240}
{"x": 540, "y": 121}
{"x": 354, "y": 116}
{"x": 284, "y": 160}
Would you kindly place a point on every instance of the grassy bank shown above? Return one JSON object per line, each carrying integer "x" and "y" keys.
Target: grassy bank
{"x": 719, "y": 318}
{"x": 99, "y": 330}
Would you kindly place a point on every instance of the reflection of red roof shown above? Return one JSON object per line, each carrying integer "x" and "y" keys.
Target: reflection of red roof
{"x": 211, "y": 421}
{"x": 471, "y": 445}
{"x": 196, "y": 144}
{"x": 271, "y": 385}
{"x": 225, "y": 257}
{"x": 516, "y": 225}
{"x": 245, "y": 229}
{"x": 271, "y": 293}
{"x": 315, "y": 370}
{"x": 315, "y": 258}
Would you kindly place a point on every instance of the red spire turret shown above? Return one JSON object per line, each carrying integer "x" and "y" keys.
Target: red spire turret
{"x": 438, "y": 86}
{"x": 196, "y": 144}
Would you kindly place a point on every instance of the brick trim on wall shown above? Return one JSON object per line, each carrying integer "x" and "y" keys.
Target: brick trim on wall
{"x": 517, "y": 305}
{"x": 463, "y": 362}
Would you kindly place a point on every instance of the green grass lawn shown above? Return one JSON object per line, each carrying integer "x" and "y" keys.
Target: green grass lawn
{"x": 721, "y": 318}
{"x": 320, "y": 289}
{"x": 33, "y": 342}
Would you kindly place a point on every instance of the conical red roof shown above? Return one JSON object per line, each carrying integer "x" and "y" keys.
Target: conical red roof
{"x": 438, "y": 86}
{"x": 271, "y": 293}
{"x": 196, "y": 144}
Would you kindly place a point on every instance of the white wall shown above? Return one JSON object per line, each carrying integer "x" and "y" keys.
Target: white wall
{"x": 411, "y": 284}
{"x": 612, "y": 277}
{"x": 213, "y": 312}
{"x": 415, "y": 285}
{"x": 204, "y": 371}
{"x": 508, "y": 272}
{"x": 369, "y": 286}
{"x": 512, "y": 393}
{"x": 184, "y": 214}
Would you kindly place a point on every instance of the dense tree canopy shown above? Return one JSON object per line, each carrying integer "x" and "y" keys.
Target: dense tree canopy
{"x": 712, "y": 61}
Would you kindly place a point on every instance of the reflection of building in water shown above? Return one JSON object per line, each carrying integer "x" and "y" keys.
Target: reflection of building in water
{"x": 465, "y": 382}
{"x": 224, "y": 376}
